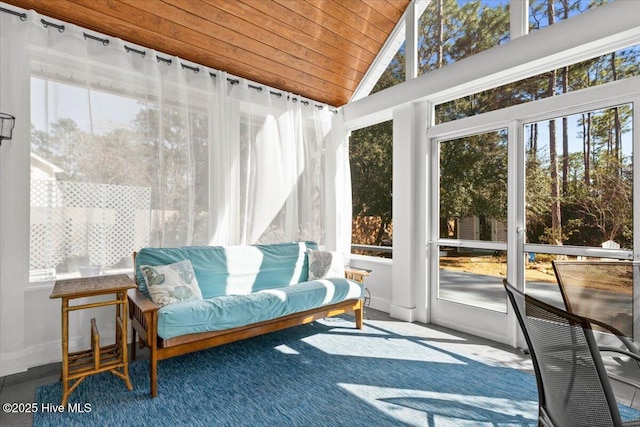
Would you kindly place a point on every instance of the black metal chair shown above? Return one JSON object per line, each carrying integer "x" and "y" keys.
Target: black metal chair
{"x": 603, "y": 292}
{"x": 573, "y": 386}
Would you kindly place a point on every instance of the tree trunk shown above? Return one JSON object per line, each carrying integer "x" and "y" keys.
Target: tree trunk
{"x": 381, "y": 231}
{"x": 565, "y": 138}
{"x": 556, "y": 219}
{"x": 585, "y": 149}
{"x": 532, "y": 144}
{"x": 616, "y": 119}
{"x": 587, "y": 154}
{"x": 565, "y": 131}
{"x": 440, "y": 33}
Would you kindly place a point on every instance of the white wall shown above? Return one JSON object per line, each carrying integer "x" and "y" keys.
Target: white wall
{"x": 30, "y": 331}
{"x": 379, "y": 281}
{"x": 43, "y": 320}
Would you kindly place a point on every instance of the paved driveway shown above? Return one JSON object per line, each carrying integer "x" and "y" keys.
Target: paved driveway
{"x": 487, "y": 292}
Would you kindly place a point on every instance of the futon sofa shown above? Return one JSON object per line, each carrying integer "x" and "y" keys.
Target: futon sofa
{"x": 220, "y": 294}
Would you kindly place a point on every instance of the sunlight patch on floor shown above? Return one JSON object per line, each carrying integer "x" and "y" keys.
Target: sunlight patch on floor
{"x": 433, "y": 409}
{"x": 285, "y": 349}
{"x": 413, "y": 330}
{"x": 378, "y": 347}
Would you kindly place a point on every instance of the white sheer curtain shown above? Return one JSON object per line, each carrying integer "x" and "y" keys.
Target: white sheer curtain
{"x": 274, "y": 168}
{"x": 130, "y": 150}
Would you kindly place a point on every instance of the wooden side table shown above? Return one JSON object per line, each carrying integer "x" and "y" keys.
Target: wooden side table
{"x": 356, "y": 274}
{"x": 79, "y": 365}
{"x": 359, "y": 275}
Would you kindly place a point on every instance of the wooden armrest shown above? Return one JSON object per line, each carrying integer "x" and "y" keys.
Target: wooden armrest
{"x": 141, "y": 301}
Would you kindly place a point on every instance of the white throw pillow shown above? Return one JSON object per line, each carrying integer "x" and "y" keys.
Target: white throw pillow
{"x": 323, "y": 264}
{"x": 171, "y": 284}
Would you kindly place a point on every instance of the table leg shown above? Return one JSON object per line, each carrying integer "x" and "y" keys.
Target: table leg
{"x": 124, "y": 313}
{"x": 65, "y": 350}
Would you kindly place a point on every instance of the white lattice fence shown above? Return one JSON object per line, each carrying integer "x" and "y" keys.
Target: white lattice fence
{"x": 78, "y": 223}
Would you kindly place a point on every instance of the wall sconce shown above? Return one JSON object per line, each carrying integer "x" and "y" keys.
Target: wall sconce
{"x": 7, "y": 122}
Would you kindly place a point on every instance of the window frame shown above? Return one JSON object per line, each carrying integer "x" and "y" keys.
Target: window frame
{"x": 499, "y": 326}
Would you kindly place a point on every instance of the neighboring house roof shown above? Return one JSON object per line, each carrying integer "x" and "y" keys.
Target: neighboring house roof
{"x": 320, "y": 49}
{"x": 43, "y": 169}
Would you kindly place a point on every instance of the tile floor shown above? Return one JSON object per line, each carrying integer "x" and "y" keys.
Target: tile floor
{"x": 21, "y": 387}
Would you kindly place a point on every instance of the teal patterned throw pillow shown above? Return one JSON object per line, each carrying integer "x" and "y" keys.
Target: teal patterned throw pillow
{"x": 171, "y": 284}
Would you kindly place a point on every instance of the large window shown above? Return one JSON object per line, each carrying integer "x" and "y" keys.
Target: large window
{"x": 394, "y": 74}
{"x": 371, "y": 157}
{"x": 543, "y": 13}
{"x": 450, "y": 30}
{"x": 111, "y": 173}
{"x": 618, "y": 65}
{"x": 473, "y": 219}
{"x": 580, "y": 179}
{"x": 119, "y": 165}
{"x": 579, "y": 198}
{"x": 122, "y": 159}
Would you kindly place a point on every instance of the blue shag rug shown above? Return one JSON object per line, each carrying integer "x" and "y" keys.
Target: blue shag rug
{"x": 323, "y": 373}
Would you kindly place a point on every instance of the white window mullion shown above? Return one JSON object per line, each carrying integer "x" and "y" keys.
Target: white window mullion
{"x": 411, "y": 42}
{"x": 515, "y": 222}
{"x": 636, "y": 179}
{"x": 518, "y": 18}
{"x": 636, "y": 217}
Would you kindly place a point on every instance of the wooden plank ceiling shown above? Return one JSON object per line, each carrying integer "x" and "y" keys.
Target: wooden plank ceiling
{"x": 319, "y": 49}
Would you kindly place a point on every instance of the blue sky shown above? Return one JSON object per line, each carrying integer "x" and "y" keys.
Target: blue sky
{"x": 51, "y": 101}
{"x": 574, "y": 132}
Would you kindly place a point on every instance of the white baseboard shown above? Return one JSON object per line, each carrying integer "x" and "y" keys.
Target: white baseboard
{"x": 483, "y": 333}
{"x": 12, "y": 363}
{"x": 402, "y": 313}
{"x": 42, "y": 354}
{"x": 379, "y": 304}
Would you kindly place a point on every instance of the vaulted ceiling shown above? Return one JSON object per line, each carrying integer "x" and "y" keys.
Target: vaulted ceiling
{"x": 320, "y": 49}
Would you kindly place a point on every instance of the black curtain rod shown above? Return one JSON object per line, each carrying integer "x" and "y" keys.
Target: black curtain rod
{"x": 23, "y": 16}
{"x": 51, "y": 24}
{"x": 105, "y": 42}
{"x": 259, "y": 89}
{"x": 189, "y": 67}
{"x": 168, "y": 61}
{"x": 130, "y": 49}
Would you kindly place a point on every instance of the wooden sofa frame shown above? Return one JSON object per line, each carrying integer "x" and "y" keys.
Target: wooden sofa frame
{"x": 144, "y": 322}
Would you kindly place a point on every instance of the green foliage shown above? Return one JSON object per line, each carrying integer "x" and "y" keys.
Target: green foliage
{"x": 596, "y": 207}
{"x": 166, "y": 158}
{"x": 394, "y": 74}
{"x": 106, "y": 158}
{"x": 473, "y": 176}
{"x": 371, "y": 152}
{"x": 180, "y": 147}
{"x": 466, "y": 30}
{"x": 538, "y": 198}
